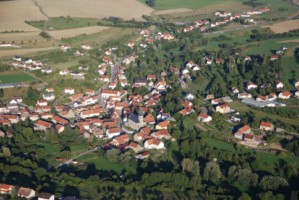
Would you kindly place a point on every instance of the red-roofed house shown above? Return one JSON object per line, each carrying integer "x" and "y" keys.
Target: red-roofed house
{"x": 204, "y": 117}
{"x": 153, "y": 144}
{"x": 267, "y": 126}
{"x": 26, "y": 193}
{"x": 6, "y": 188}
{"x": 42, "y": 125}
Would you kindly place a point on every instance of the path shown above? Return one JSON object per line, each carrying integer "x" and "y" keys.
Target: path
{"x": 74, "y": 158}
{"x": 43, "y": 13}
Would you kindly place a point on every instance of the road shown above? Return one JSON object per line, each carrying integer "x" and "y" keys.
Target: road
{"x": 74, "y": 158}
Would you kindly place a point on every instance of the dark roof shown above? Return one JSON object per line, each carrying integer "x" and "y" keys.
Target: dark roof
{"x": 45, "y": 195}
{"x": 140, "y": 80}
{"x": 134, "y": 118}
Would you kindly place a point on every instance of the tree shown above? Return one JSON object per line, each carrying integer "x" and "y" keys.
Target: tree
{"x": 1, "y": 93}
{"x": 6, "y": 152}
{"x": 190, "y": 166}
{"x": 212, "y": 172}
{"x": 273, "y": 182}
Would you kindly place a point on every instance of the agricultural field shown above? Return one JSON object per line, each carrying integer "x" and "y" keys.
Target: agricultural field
{"x": 285, "y": 26}
{"x": 193, "y": 4}
{"x": 61, "y": 23}
{"x": 14, "y": 13}
{"x": 12, "y": 52}
{"x": 69, "y": 33}
{"x": 15, "y": 77}
{"x": 95, "y": 9}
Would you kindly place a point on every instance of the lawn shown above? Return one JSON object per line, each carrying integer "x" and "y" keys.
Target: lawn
{"x": 220, "y": 144}
{"x": 61, "y": 23}
{"x": 15, "y": 77}
{"x": 290, "y": 69}
{"x": 101, "y": 163}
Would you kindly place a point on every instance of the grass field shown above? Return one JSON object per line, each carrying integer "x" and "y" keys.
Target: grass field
{"x": 16, "y": 77}
{"x": 61, "y": 23}
{"x": 290, "y": 69}
{"x": 175, "y": 4}
{"x": 101, "y": 163}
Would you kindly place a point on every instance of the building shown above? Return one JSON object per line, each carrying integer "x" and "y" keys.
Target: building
{"x": 46, "y": 196}
{"x": 6, "y": 188}
{"x": 136, "y": 121}
{"x": 284, "y": 95}
{"x": 153, "y": 144}
{"x": 49, "y": 96}
{"x": 242, "y": 131}
{"x": 204, "y": 117}
{"x": 267, "y": 126}
{"x": 223, "y": 108}
{"x": 26, "y": 193}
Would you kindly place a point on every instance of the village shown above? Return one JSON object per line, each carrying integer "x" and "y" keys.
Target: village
{"x": 129, "y": 121}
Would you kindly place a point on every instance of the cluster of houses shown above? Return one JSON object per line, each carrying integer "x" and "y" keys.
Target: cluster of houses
{"x": 24, "y": 193}
{"x": 246, "y": 136}
{"x": 224, "y": 18}
{"x": 29, "y": 64}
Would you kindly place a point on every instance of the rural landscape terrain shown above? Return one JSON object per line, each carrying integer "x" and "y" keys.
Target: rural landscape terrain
{"x": 149, "y": 99}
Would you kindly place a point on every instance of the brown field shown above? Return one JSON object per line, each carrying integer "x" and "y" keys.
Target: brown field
{"x": 14, "y": 13}
{"x": 12, "y": 52}
{"x": 68, "y": 33}
{"x": 284, "y": 26}
{"x": 296, "y": 2}
{"x": 286, "y": 41}
{"x": 9, "y": 37}
{"x": 127, "y": 9}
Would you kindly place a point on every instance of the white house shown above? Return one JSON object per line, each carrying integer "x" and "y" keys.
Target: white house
{"x": 251, "y": 85}
{"x": 284, "y": 95}
{"x": 153, "y": 144}
{"x": 26, "y": 193}
{"x": 112, "y": 132}
{"x": 279, "y": 85}
{"x": 69, "y": 90}
{"x": 190, "y": 97}
{"x": 49, "y": 96}
{"x": 204, "y": 117}
{"x": 45, "y": 196}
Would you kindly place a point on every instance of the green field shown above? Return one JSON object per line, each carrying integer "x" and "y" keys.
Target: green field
{"x": 101, "y": 163}
{"x": 60, "y": 23}
{"x": 290, "y": 69}
{"x": 175, "y": 4}
{"x": 16, "y": 77}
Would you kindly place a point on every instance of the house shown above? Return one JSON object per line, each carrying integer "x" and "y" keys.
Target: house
{"x": 161, "y": 134}
{"x": 76, "y": 97}
{"x": 189, "y": 97}
{"x": 120, "y": 140}
{"x": 49, "y": 89}
{"x": 267, "y": 126}
{"x": 296, "y": 84}
{"x": 47, "y": 70}
{"x": 274, "y": 57}
{"x": 163, "y": 125}
{"x": 45, "y": 196}
{"x": 78, "y": 75}
{"x": 204, "y": 117}
{"x": 251, "y": 85}
{"x": 153, "y": 144}
{"x": 284, "y": 95}
{"x": 64, "y": 72}
{"x": 49, "y": 96}
{"x": 143, "y": 155}
{"x": 106, "y": 94}
{"x": 235, "y": 90}
{"x": 223, "y": 108}
{"x": 59, "y": 120}
{"x": 140, "y": 82}
{"x": 279, "y": 85}
{"x": 216, "y": 101}
{"x": 42, "y": 102}
{"x": 242, "y": 131}
{"x": 112, "y": 132}
{"x": 26, "y": 193}
{"x": 86, "y": 47}
{"x": 297, "y": 94}
{"x": 6, "y": 188}
{"x": 16, "y": 100}
{"x": 244, "y": 95}
{"x": 42, "y": 125}
{"x": 135, "y": 147}
{"x": 69, "y": 91}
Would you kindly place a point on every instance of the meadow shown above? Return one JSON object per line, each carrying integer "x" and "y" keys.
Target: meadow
{"x": 15, "y": 77}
